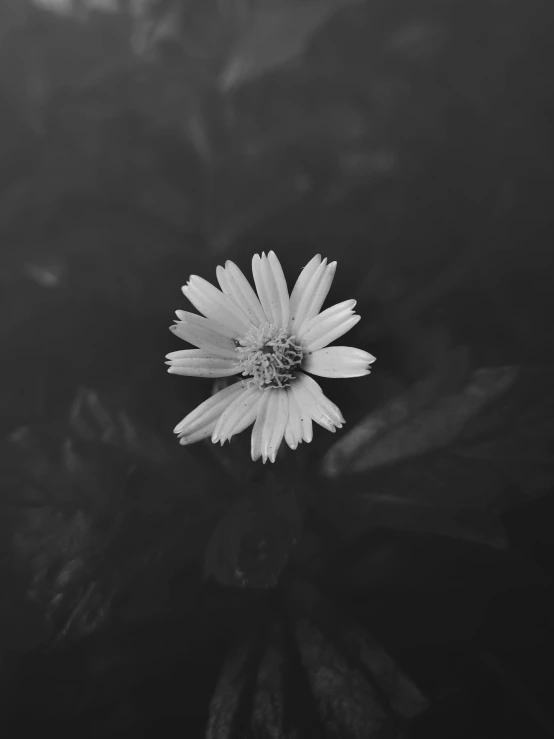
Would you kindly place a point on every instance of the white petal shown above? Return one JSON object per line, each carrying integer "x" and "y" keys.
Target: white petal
{"x": 327, "y": 405}
{"x": 333, "y": 310}
{"x": 293, "y": 431}
{"x": 301, "y": 284}
{"x": 242, "y": 293}
{"x": 239, "y": 415}
{"x": 265, "y": 286}
{"x": 258, "y": 282}
{"x": 257, "y": 431}
{"x": 290, "y": 438}
{"x": 321, "y": 291}
{"x": 311, "y": 399}
{"x": 305, "y": 417}
{"x": 214, "y": 304}
{"x": 221, "y": 328}
{"x": 272, "y": 288}
{"x": 346, "y": 308}
{"x": 203, "y": 333}
{"x": 201, "y": 433}
{"x": 199, "y": 363}
{"x": 200, "y": 423}
{"x": 326, "y": 327}
{"x": 270, "y": 425}
{"x": 278, "y": 413}
{"x": 223, "y": 280}
{"x": 281, "y": 288}
{"x": 307, "y": 294}
{"x": 338, "y": 361}
{"x": 314, "y": 295}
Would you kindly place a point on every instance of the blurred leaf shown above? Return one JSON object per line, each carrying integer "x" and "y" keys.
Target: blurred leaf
{"x": 252, "y": 543}
{"x": 93, "y": 419}
{"x": 69, "y": 586}
{"x": 48, "y": 273}
{"x": 58, "y": 536}
{"x": 279, "y": 32}
{"x": 268, "y": 710}
{"x": 490, "y": 446}
{"x": 520, "y": 423}
{"x": 347, "y": 703}
{"x": 154, "y": 21}
{"x": 361, "y": 650}
{"x": 87, "y": 521}
{"x": 362, "y": 511}
{"x": 416, "y": 423}
{"x": 398, "y": 564}
{"x": 232, "y": 682}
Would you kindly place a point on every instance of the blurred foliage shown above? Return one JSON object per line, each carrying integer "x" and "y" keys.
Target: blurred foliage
{"x": 144, "y": 583}
{"x": 496, "y": 433}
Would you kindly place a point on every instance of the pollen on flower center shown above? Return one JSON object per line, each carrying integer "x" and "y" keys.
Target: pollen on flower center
{"x": 268, "y": 356}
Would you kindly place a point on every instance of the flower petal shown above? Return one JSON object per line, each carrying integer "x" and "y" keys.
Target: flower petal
{"x": 270, "y": 425}
{"x": 281, "y": 288}
{"x": 290, "y": 439}
{"x": 328, "y": 326}
{"x": 321, "y": 291}
{"x": 278, "y": 413}
{"x": 223, "y": 280}
{"x": 312, "y": 401}
{"x": 319, "y": 340}
{"x": 204, "y": 334}
{"x": 259, "y": 426}
{"x": 305, "y": 417}
{"x": 339, "y": 309}
{"x": 214, "y": 304}
{"x": 240, "y": 290}
{"x": 185, "y": 315}
{"x": 338, "y": 361}
{"x": 239, "y": 415}
{"x": 314, "y": 295}
{"x": 259, "y": 283}
{"x": 301, "y": 284}
{"x": 293, "y": 431}
{"x": 306, "y": 295}
{"x": 266, "y": 287}
{"x": 200, "y": 423}
{"x": 199, "y": 363}
{"x": 332, "y": 410}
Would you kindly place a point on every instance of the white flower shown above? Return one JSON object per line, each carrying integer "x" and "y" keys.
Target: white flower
{"x": 267, "y": 339}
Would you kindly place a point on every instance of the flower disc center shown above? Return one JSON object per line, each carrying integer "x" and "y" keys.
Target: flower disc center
{"x": 268, "y": 356}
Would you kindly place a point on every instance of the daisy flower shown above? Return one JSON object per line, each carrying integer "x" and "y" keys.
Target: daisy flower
{"x": 270, "y": 340}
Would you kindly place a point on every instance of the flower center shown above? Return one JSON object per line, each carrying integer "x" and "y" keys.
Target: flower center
{"x": 268, "y": 356}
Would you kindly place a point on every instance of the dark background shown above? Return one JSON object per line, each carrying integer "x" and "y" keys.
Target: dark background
{"x": 411, "y": 140}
